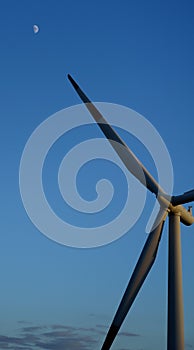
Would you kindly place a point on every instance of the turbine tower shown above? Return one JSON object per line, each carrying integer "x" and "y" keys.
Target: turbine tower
{"x": 169, "y": 206}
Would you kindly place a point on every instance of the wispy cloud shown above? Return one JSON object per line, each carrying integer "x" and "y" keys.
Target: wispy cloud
{"x": 52, "y": 337}
{"x": 128, "y": 334}
{"x": 55, "y": 337}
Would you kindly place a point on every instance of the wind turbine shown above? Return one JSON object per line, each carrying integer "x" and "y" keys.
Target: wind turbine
{"x": 169, "y": 206}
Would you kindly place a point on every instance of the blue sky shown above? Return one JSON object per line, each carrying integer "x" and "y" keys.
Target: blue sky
{"x": 138, "y": 54}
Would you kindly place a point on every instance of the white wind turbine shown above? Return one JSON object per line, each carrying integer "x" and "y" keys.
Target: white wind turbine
{"x": 169, "y": 206}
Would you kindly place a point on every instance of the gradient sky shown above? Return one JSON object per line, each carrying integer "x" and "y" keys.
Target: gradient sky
{"x": 138, "y": 54}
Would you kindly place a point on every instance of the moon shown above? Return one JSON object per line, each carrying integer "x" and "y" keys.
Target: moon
{"x": 35, "y": 29}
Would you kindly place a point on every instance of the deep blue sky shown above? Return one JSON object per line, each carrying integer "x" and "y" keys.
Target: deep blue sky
{"x": 136, "y": 53}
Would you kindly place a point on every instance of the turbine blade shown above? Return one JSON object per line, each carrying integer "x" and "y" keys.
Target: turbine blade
{"x": 141, "y": 271}
{"x": 131, "y": 162}
{"x": 186, "y": 197}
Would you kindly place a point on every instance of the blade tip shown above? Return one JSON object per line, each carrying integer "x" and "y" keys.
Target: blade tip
{"x": 72, "y": 81}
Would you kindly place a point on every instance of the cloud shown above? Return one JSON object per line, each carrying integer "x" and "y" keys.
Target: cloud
{"x": 33, "y": 328}
{"x": 128, "y": 334}
{"x": 55, "y": 337}
{"x": 9, "y": 342}
{"x": 52, "y": 337}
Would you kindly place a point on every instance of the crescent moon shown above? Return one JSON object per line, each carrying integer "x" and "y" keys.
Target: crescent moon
{"x": 35, "y": 28}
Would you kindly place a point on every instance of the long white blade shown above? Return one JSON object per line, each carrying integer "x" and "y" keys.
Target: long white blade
{"x": 127, "y": 156}
{"x": 141, "y": 271}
